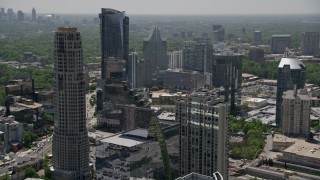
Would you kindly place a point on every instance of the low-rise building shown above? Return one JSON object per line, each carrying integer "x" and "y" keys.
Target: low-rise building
{"x": 13, "y": 132}
{"x": 298, "y": 151}
{"x": 127, "y": 155}
{"x": 255, "y": 103}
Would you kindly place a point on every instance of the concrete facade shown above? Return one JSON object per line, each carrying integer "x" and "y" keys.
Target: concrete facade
{"x": 204, "y": 135}
{"x": 296, "y": 113}
{"x": 70, "y": 146}
{"x": 310, "y": 43}
{"x": 279, "y": 43}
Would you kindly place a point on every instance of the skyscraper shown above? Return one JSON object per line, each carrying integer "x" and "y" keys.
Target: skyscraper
{"x": 131, "y": 71}
{"x": 155, "y": 50}
{"x": 204, "y": 136}
{"x": 310, "y": 43}
{"x": 296, "y": 113}
{"x": 195, "y": 56}
{"x": 227, "y": 73}
{"x": 34, "y": 15}
{"x": 175, "y": 60}
{"x": 20, "y": 16}
{"x": 257, "y": 37}
{"x": 70, "y": 147}
{"x": 143, "y": 73}
{"x": 114, "y": 29}
{"x": 218, "y": 33}
{"x": 291, "y": 71}
{"x": 279, "y": 43}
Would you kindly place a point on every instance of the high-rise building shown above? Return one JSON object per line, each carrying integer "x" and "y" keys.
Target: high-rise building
{"x": 175, "y": 60}
{"x": 310, "y": 43}
{"x": 70, "y": 146}
{"x": 256, "y": 54}
{"x": 34, "y": 15}
{"x": 291, "y": 71}
{"x": 257, "y": 37}
{"x": 114, "y": 29}
{"x": 10, "y": 14}
{"x": 227, "y": 73}
{"x": 2, "y": 11}
{"x": 279, "y": 43}
{"x": 194, "y": 56}
{"x": 20, "y": 16}
{"x": 155, "y": 50}
{"x": 204, "y": 136}
{"x": 143, "y": 73}
{"x": 218, "y": 33}
{"x": 296, "y": 113}
{"x": 131, "y": 71}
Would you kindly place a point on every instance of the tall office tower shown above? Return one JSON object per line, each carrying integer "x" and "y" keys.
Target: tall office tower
{"x": 20, "y": 15}
{"x": 218, "y": 33}
{"x": 257, "y": 37}
{"x": 175, "y": 60}
{"x": 131, "y": 71}
{"x": 209, "y": 56}
{"x": 279, "y": 43}
{"x": 194, "y": 56}
{"x": 155, "y": 50}
{"x": 227, "y": 73}
{"x": 296, "y": 113}
{"x": 204, "y": 136}
{"x": 2, "y": 12}
{"x": 10, "y": 14}
{"x": 291, "y": 71}
{"x": 310, "y": 43}
{"x": 114, "y": 29}
{"x": 143, "y": 73}
{"x": 34, "y": 15}
{"x": 70, "y": 146}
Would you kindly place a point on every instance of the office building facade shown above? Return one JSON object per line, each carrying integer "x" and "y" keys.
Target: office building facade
{"x": 175, "y": 60}
{"x": 204, "y": 136}
{"x": 291, "y": 72}
{"x": 256, "y": 54}
{"x": 296, "y": 113}
{"x": 310, "y": 43}
{"x": 20, "y": 16}
{"x": 143, "y": 75}
{"x": 114, "y": 29}
{"x": 227, "y": 73}
{"x": 131, "y": 71}
{"x": 34, "y": 15}
{"x": 195, "y": 56}
{"x": 70, "y": 146}
{"x": 155, "y": 50}
{"x": 218, "y": 33}
{"x": 257, "y": 37}
{"x": 279, "y": 43}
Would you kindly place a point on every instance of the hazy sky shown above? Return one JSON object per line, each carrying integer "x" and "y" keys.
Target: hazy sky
{"x": 168, "y": 6}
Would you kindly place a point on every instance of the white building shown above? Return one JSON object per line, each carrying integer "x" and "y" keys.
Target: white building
{"x": 175, "y": 60}
{"x": 12, "y": 131}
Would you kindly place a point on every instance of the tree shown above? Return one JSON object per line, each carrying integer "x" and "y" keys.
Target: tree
{"x": 245, "y": 106}
{"x": 30, "y": 173}
{"x": 5, "y": 177}
{"x": 28, "y": 138}
{"x": 47, "y": 117}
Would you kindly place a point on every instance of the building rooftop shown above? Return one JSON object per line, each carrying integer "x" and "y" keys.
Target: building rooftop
{"x": 167, "y": 116}
{"x": 67, "y": 29}
{"x": 256, "y": 100}
{"x": 290, "y": 94}
{"x": 281, "y": 35}
{"x": 293, "y": 62}
{"x": 128, "y": 139}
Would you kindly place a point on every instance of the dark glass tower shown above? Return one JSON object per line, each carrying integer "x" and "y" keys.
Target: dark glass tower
{"x": 114, "y": 29}
{"x": 227, "y": 73}
{"x": 155, "y": 50}
{"x": 291, "y": 72}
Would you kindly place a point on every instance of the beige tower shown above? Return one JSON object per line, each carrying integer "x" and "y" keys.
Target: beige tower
{"x": 204, "y": 136}
{"x": 296, "y": 113}
{"x": 70, "y": 146}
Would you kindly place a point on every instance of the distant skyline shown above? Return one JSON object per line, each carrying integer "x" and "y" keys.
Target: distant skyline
{"x": 172, "y": 7}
